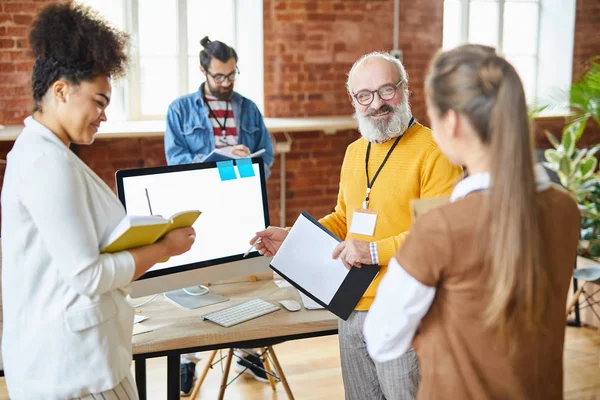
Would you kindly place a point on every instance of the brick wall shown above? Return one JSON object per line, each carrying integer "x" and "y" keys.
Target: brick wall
{"x": 309, "y": 48}
{"x": 587, "y": 34}
{"x": 15, "y": 62}
{"x": 586, "y": 46}
{"x": 311, "y": 45}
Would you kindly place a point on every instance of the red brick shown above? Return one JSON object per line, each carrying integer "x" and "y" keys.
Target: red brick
{"x": 16, "y": 78}
{"x": 7, "y": 67}
{"x": 5, "y": 17}
{"x": 23, "y": 19}
{"x": 23, "y": 7}
{"x": 7, "y": 44}
{"x": 24, "y": 66}
{"x": 16, "y": 31}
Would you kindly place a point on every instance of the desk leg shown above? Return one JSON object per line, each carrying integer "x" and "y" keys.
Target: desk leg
{"x": 279, "y": 370}
{"x": 269, "y": 372}
{"x": 173, "y": 378}
{"x": 140, "y": 377}
{"x": 225, "y": 375}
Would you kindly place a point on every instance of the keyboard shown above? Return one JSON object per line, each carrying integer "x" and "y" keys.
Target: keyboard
{"x": 243, "y": 312}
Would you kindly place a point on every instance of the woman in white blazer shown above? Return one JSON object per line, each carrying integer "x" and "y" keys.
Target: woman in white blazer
{"x": 67, "y": 326}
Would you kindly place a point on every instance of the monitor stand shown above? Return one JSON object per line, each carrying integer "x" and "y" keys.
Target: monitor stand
{"x": 194, "y": 297}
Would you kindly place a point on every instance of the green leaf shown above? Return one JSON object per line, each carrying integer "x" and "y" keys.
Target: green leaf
{"x": 568, "y": 139}
{"x": 551, "y": 166}
{"x": 593, "y": 150}
{"x": 591, "y": 184}
{"x": 578, "y": 157}
{"x": 584, "y": 94}
{"x": 552, "y": 139}
{"x": 552, "y": 156}
{"x": 580, "y": 127}
{"x": 587, "y": 167}
{"x": 595, "y": 248}
{"x": 533, "y": 113}
{"x": 563, "y": 179}
{"x": 565, "y": 166}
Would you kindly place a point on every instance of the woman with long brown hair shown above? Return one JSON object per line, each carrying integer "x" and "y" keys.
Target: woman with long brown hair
{"x": 480, "y": 284}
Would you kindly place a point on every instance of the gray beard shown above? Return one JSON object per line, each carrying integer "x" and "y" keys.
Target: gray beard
{"x": 380, "y": 131}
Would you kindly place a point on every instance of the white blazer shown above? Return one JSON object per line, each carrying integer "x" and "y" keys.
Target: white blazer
{"x": 67, "y": 326}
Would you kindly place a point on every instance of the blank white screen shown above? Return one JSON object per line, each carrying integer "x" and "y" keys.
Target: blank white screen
{"x": 232, "y": 211}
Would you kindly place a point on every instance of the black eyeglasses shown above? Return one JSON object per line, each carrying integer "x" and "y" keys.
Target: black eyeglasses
{"x": 386, "y": 92}
{"x": 220, "y": 78}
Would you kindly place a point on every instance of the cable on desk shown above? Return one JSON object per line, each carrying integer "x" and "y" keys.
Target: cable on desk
{"x": 146, "y": 302}
{"x": 206, "y": 290}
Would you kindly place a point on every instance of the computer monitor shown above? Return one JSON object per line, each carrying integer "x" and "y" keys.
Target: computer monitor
{"x": 234, "y": 207}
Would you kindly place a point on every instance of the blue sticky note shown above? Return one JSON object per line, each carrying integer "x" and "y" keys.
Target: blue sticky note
{"x": 226, "y": 170}
{"x": 245, "y": 167}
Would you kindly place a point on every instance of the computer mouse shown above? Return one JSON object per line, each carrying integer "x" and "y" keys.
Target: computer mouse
{"x": 290, "y": 305}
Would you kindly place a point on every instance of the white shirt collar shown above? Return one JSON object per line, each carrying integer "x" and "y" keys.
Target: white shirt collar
{"x": 31, "y": 125}
{"x": 481, "y": 181}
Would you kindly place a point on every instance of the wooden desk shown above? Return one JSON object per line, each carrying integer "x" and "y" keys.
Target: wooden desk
{"x": 176, "y": 331}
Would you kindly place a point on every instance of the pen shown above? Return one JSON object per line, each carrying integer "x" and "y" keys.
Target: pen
{"x": 148, "y": 198}
{"x": 253, "y": 246}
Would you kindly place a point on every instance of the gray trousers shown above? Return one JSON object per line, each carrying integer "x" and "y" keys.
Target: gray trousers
{"x": 365, "y": 379}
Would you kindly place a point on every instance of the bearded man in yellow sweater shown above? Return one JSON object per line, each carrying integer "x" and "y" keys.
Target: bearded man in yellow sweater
{"x": 396, "y": 160}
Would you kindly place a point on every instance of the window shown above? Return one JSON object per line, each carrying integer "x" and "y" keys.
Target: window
{"x": 536, "y": 36}
{"x": 165, "y": 44}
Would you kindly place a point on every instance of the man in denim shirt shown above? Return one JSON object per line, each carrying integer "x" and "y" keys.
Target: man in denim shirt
{"x": 215, "y": 116}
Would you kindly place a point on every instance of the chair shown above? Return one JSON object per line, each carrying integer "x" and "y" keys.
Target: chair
{"x": 268, "y": 357}
{"x": 587, "y": 275}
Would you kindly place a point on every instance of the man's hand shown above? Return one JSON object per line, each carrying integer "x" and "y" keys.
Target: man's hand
{"x": 240, "y": 150}
{"x": 353, "y": 252}
{"x": 271, "y": 240}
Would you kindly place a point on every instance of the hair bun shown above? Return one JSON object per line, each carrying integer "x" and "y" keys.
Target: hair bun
{"x": 205, "y": 41}
{"x": 491, "y": 74}
{"x": 51, "y": 35}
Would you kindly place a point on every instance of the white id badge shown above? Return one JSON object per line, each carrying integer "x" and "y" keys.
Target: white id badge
{"x": 363, "y": 222}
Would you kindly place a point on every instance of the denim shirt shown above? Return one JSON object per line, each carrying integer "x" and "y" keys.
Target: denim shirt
{"x": 190, "y": 137}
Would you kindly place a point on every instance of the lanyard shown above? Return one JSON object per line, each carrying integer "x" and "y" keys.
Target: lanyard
{"x": 371, "y": 182}
{"x": 224, "y": 124}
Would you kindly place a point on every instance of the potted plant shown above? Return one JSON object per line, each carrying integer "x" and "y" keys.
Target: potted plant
{"x": 578, "y": 172}
{"x": 576, "y": 168}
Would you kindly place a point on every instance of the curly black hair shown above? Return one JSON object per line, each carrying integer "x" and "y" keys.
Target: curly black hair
{"x": 72, "y": 42}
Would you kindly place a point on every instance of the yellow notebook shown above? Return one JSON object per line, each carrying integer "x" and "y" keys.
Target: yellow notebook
{"x": 135, "y": 231}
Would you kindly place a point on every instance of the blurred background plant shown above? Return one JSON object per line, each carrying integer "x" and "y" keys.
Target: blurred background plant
{"x": 577, "y": 168}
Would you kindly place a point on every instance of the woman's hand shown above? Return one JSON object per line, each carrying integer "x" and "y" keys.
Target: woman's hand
{"x": 178, "y": 241}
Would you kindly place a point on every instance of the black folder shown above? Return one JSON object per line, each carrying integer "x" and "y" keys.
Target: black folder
{"x": 349, "y": 292}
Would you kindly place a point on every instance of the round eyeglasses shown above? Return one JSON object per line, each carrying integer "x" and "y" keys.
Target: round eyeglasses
{"x": 386, "y": 92}
{"x": 220, "y": 78}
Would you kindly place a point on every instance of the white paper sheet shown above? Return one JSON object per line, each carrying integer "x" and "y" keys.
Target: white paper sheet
{"x": 305, "y": 258}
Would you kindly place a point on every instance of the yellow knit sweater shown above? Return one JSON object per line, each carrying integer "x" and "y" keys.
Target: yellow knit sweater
{"x": 415, "y": 169}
